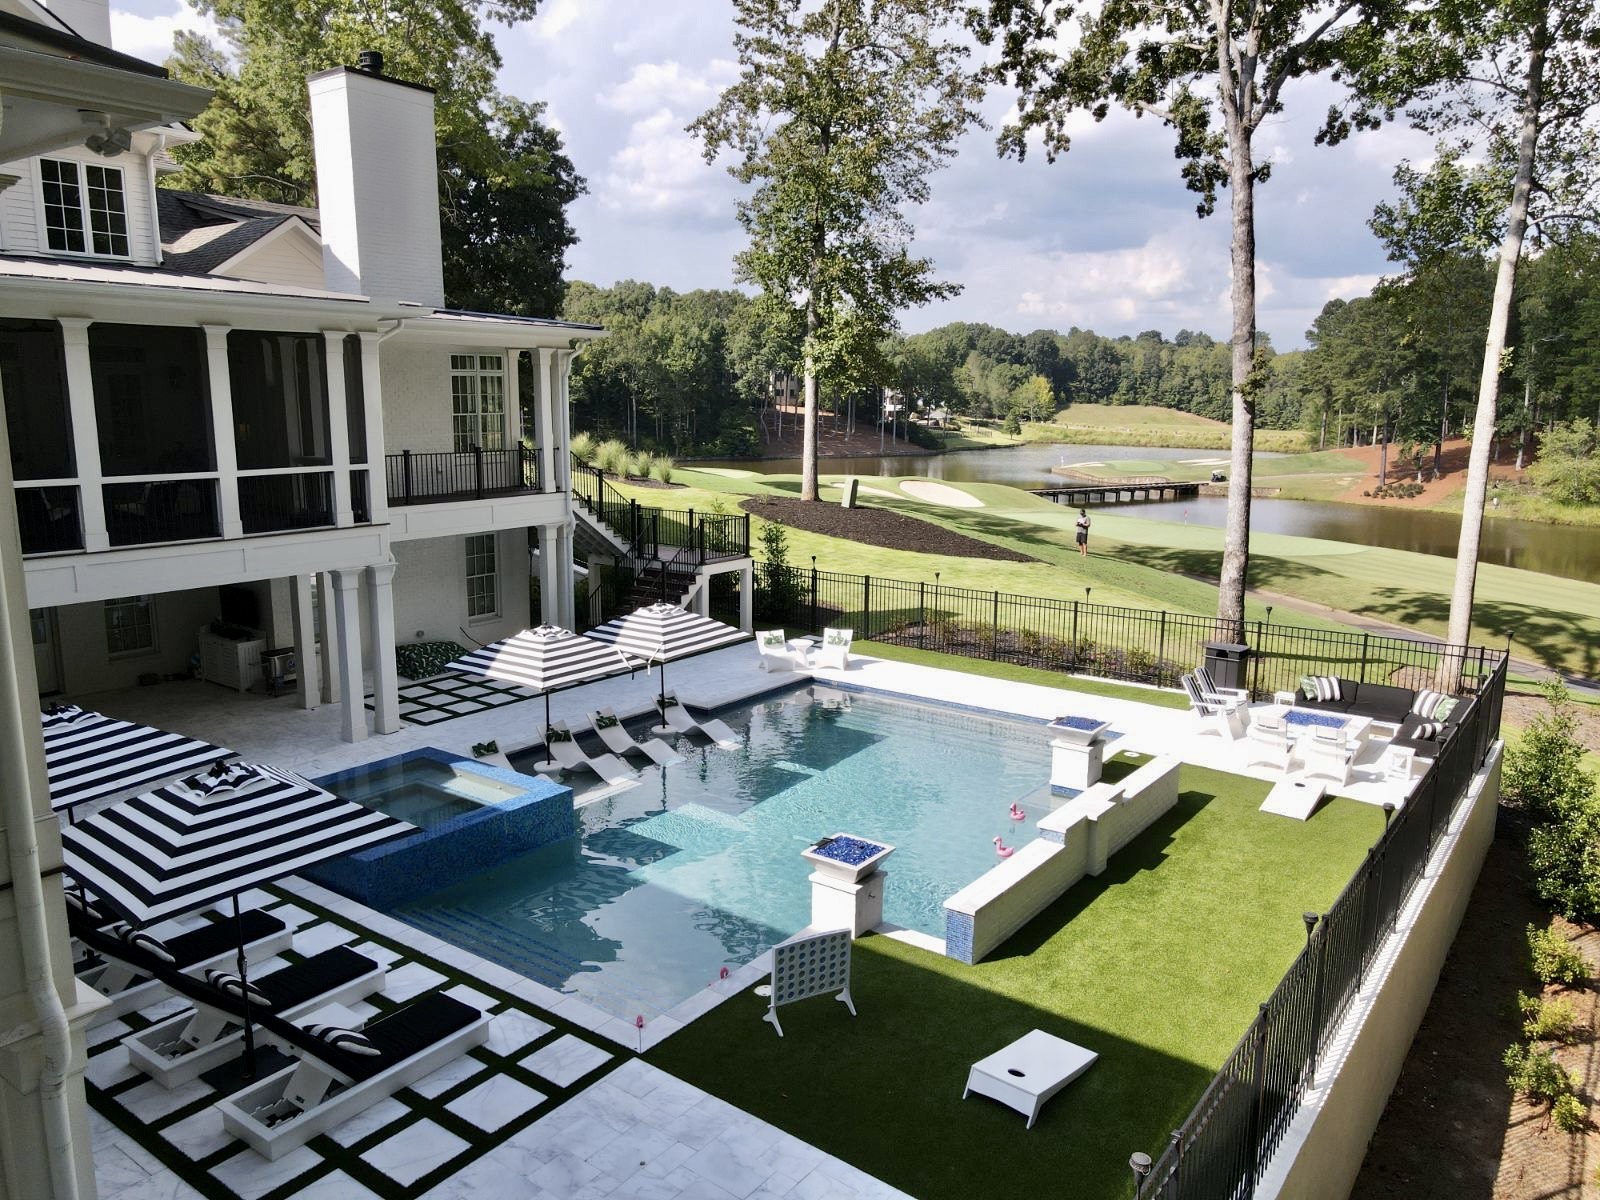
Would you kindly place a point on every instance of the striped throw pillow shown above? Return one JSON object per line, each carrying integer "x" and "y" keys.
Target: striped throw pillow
{"x": 227, "y": 981}
{"x": 351, "y": 1041}
{"x": 1427, "y": 730}
{"x": 1426, "y": 703}
{"x": 149, "y": 944}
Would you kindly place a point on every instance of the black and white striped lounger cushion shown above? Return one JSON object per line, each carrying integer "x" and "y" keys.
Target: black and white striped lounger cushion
{"x": 90, "y": 756}
{"x": 401, "y": 1035}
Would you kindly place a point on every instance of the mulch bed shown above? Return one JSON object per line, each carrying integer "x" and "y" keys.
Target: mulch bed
{"x": 876, "y": 527}
{"x": 1452, "y": 1128}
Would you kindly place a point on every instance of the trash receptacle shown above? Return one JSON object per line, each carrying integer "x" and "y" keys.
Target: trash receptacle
{"x": 1228, "y": 662}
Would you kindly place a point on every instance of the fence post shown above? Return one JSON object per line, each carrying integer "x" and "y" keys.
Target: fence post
{"x": 691, "y": 529}
{"x": 1072, "y": 656}
{"x": 994, "y": 639}
{"x": 866, "y": 604}
{"x": 477, "y": 471}
{"x": 1377, "y": 854}
{"x": 1364, "y": 638}
{"x": 405, "y": 463}
{"x": 922, "y": 613}
{"x": 1258, "y": 1101}
{"x": 813, "y": 626}
{"x": 1316, "y": 1003}
{"x": 747, "y": 533}
{"x": 1161, "y": 648}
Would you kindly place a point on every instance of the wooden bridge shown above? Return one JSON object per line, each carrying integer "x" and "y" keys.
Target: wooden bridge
{"x": 1082, "y": 495}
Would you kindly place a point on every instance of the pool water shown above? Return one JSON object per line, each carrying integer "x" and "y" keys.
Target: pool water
{"x": 420, "y": 790}
{"x": 699, "y": 867}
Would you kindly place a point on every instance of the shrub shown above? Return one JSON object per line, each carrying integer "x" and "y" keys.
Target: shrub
{"x": 661, "y": 469}
{"x": 1564, "y": 854}
{"x": 611, "y": 456}
{"x": 1569, "y": 1114}
{"x": 582, "y": 447}
{"x": 1553, "y": 1020}
{"x": 1553, "y": 960}
{"x": 1544, "y": 767}
{"x": 1533, "y": 1072}
{"x": 638, "y": 465}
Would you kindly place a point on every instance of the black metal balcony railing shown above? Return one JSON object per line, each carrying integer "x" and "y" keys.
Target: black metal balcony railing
{"x": 274, "y": 503}
{"x": 177, "y": 510}
{"x": 49, "y": 519}
{"x": 432, "y": 477}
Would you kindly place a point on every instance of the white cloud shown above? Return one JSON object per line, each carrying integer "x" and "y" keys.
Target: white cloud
{"x": 660, "y": 170}
{"x": 149, "y": 36}
{"x": 658, "y": 85}
{"x": 557, "y": 17}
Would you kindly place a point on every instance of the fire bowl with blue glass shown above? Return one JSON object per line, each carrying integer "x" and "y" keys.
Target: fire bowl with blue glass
{"x": 470, "y": 816}
{"x": 1077, "y": 746}
{"x": 847, "y": 884}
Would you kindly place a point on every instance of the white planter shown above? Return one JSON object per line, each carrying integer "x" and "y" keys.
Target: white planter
{"x": 848, "y": 872}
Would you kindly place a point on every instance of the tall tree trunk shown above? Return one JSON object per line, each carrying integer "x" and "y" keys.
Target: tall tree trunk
{"x": 1483, "y": 423}
{"x": 808, "y": 443}
{"x": 1527, "y": 418}
{"x": 1444, "y": 430}
{"x": 1236, "y": 540}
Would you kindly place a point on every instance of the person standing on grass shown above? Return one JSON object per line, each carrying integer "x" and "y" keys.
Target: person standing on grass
{"x": 1083, "y": 532}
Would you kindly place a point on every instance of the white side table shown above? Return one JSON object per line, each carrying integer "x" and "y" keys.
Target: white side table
{"x": 1029, "y": 1071}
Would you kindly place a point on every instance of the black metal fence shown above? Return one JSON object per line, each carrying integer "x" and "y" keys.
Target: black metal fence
{"x": 429, "y": 477}
{"x": 1226, "y": 1144}
{"x": 1081, "y": 637}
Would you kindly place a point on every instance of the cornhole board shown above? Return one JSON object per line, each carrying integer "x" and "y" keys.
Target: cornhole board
{"x": 1297, "y": 798}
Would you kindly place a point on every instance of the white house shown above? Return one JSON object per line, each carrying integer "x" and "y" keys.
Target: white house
{"x": 239, "y": 427}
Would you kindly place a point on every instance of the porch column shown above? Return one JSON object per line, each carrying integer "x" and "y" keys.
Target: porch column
{"x": 347, "y": 615}
{"x": 380, "y": 621}
{"x": 222, "y": 429}
{"x": 747, "y": 598}
{"x": 542, "y": 411}
{"x": 511, "y": 357}
{"x": 566, "y": 578}
{"x": 372, "y": 405}
{"x": 561, "y": 419}
{"x": 702, "y": 596}
{"x": 85, "y": 432}
{"x": 330, "y": 640}
{"x": 308, "y": 686}
{"x": 549, "y": 584}
{"x": 338, "y": 427}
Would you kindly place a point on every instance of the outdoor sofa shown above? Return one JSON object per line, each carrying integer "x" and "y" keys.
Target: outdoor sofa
{"x": 1391, "y": 705}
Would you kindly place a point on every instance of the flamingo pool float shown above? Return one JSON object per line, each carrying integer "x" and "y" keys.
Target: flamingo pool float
{"x": 1016, "y": 813}
{"x": 1003, "y": 850}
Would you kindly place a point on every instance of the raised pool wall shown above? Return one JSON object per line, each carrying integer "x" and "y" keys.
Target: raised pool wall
{"x": 394, "y": 872}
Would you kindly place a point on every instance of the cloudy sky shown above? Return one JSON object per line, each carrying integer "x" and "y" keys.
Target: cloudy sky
{"x": 1105, "y": 238}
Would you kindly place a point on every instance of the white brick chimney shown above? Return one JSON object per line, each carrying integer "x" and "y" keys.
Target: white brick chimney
{"x": 377, "y": 184}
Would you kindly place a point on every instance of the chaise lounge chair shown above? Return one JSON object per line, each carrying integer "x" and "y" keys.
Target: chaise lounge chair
{"x": 678, "y": 719}
{"x": 341, "y": 1073}
{"x": 617, "y": 739}
{"x": 564, "y": 749}
{"x": 182, "y": 1047}
{"x": 835, "y": 649}
{"x": 128, "y": 963}
{"x": 776, "y": 654}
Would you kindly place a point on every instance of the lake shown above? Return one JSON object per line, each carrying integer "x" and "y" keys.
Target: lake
{"x": 1566, "y": 550}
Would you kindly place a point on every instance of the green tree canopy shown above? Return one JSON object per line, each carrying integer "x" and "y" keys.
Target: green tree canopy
{"x": 504, "y": 182}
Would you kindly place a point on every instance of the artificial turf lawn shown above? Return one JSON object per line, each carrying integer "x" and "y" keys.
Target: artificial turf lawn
{"x": 1158, "y": 965}
{"x": 1018, "y": 674}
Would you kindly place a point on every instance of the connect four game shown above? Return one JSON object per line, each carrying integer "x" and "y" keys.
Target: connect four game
{"x": 809, "y": 966}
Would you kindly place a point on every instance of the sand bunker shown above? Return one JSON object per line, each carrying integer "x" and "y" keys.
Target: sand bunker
{"x": 939, "y": 493}
{"x": 729, "y": 472}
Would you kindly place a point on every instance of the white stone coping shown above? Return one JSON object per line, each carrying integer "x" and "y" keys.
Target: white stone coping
{"x": 1000, "y": 878}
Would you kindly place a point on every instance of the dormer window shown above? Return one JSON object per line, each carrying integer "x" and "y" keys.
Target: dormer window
{"x": 84, "y": 209}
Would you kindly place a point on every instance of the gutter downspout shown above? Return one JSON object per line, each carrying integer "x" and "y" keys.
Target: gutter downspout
{"x": 156, "y": 148}
{"x": 20, "y": 766}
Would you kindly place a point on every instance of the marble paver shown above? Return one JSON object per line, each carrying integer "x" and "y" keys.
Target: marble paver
{"x": 565, "y": 1061}
{"x": 413, "y": 1152}
{"x": 495, "y": 1103}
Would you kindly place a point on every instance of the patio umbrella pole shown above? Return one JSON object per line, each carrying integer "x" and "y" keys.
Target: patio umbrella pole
{"x": 244, "y": 996}
{"x": 549, "y": 765}
{"x": 661, "y": 706}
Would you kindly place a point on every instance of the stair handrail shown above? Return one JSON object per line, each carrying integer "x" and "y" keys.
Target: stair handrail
{"x": 628, "y": 518}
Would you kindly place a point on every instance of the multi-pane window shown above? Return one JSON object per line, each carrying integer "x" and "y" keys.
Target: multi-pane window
{"x": 478, "y": 401}
{"x": 84, "y": 210}
{"x": 130, "y": 625}
{"x": 482, "y": 595}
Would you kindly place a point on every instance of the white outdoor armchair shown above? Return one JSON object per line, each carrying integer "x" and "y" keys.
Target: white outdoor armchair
{"x": 834, "y": 650}
{"x": 776, "y": 654}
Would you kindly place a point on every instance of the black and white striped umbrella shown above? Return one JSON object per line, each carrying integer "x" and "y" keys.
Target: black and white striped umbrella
{"x": 190, "y": 844}
{"x": 544, "y": 660}
{"x": 663, "y": 633}
{"x": 90, "y": 756}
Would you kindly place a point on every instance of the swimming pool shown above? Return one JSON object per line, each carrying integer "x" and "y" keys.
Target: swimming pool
{"x": 418, "y": 789}
{"x": 699, "y": 866}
